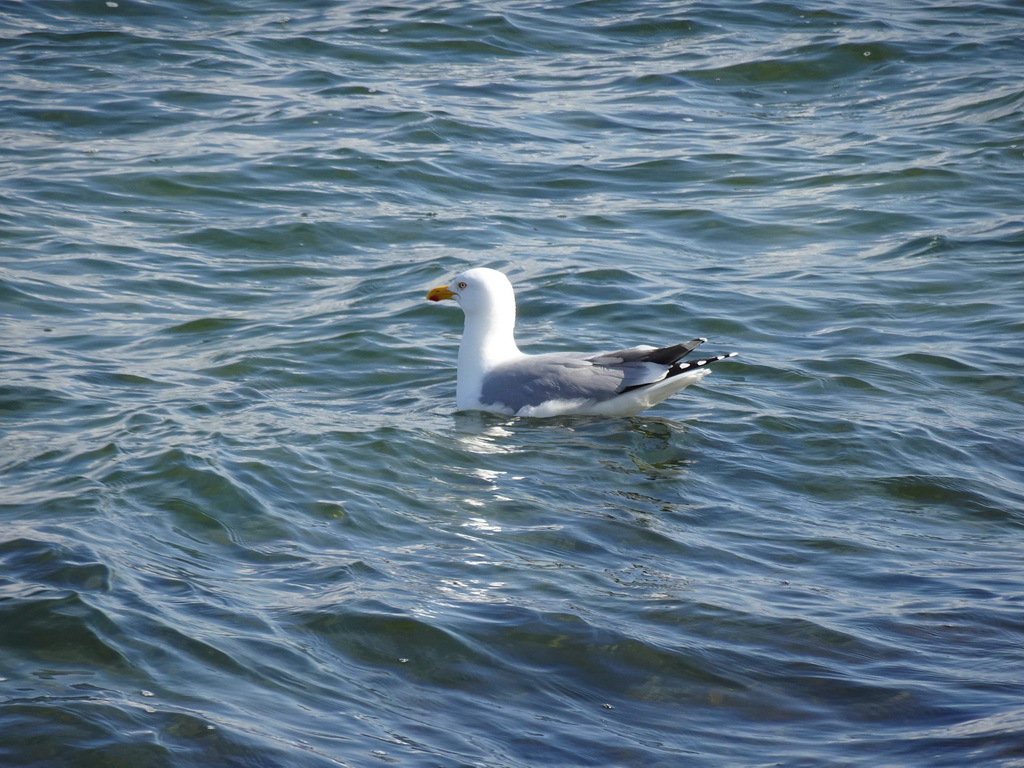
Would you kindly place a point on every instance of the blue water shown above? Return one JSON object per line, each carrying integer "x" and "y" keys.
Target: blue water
{"x": 240, "y": 522}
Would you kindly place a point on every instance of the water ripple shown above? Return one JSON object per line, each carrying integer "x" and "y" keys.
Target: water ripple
{"x": 242, "y": 524}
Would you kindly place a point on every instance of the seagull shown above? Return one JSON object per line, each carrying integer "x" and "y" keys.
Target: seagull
{"x": 494, "y": 376}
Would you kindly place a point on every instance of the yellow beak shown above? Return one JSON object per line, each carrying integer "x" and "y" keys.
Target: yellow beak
{"x": 440, "y": 293}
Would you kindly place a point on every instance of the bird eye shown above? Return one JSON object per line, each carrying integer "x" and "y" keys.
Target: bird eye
{"x": 461, "y": 286}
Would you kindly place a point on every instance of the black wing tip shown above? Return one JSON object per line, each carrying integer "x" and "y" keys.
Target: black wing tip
{"x": 680, "y": 367}
{"x": 704, "y": 361}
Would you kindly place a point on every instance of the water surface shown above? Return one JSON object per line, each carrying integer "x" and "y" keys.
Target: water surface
{"x": 241, "y": 524}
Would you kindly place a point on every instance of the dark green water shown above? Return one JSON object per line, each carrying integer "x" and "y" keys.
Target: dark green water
{"x": 240, "y": 524}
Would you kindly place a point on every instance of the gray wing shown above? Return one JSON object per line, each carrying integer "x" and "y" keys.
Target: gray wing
{"x": 536, "y": 379}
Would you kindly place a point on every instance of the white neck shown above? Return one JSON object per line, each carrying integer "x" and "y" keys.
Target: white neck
{"x": 488, "y": 340}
